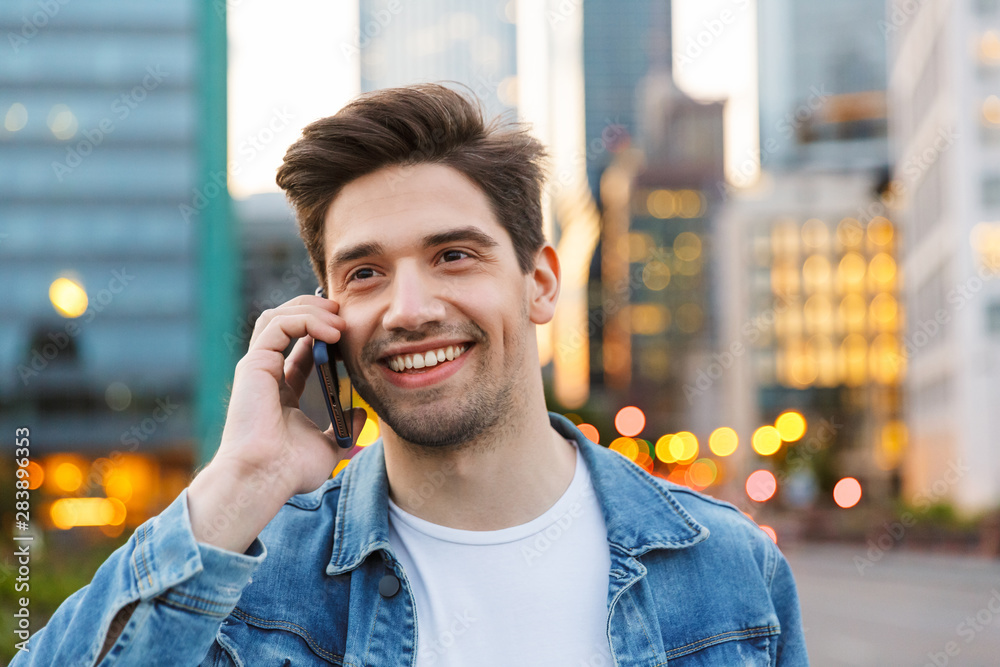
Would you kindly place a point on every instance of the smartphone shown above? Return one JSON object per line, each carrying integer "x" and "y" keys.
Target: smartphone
{"x": 327, "y": 357}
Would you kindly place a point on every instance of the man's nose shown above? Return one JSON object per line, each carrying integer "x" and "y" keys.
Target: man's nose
{"x": 414, "y": 300}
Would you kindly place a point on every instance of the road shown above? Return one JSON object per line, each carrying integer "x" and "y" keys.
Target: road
{"x": 894, "y": 608}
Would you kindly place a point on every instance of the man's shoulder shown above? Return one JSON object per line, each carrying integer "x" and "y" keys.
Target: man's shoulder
{"x": 728, "y": 526}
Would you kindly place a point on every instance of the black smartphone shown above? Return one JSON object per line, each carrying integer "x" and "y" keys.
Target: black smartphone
{"x": 327, "y": 358}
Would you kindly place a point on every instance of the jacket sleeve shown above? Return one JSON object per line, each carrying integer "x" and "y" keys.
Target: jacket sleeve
{"x": 791, "y": 642}
{"x": 179, "y": 592}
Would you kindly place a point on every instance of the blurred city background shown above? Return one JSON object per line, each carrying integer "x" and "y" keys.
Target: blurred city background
{"x": 779, "y": 227}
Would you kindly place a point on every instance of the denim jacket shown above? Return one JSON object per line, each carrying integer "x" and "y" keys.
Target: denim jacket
{"x": 692, "y": 582}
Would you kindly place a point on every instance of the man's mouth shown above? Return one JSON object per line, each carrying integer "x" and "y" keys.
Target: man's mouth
{"x": 413, "y": 363}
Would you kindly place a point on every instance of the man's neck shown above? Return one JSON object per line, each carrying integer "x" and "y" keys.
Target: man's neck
{"x": 505, "y": 478}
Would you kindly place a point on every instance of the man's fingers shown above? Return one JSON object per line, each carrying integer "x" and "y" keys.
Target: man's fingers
{"x": 285, "y": 327}
{"x": 298, "y": 366}
{"x": 265, "y": 324}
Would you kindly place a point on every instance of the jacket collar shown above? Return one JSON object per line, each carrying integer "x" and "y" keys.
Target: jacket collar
{"x": 640, "y": 512}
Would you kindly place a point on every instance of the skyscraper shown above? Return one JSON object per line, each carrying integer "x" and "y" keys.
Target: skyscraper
{"x": 98, "y": 165}
{"x": 822, "y": 78}
{"x": 946, "y": 184}
{"x": 472, "y": 43}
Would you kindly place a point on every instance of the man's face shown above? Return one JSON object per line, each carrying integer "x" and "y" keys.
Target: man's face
{"x": 419, "y": 264}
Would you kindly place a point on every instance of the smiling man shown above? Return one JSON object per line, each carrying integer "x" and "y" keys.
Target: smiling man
{"x": 480, "y": 529}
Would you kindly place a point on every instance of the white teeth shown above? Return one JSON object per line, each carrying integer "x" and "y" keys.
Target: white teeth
{"x": 425, "y": 360}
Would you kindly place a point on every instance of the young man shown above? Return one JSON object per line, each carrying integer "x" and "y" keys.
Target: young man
{"x": 480, "y": 529}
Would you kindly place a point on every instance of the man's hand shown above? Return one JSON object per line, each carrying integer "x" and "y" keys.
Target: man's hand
{"x": 270, "y": 450}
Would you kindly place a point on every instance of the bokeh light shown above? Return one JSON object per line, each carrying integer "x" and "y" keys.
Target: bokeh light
{"x": 16, "y": 118}
{"x": 770, "y": 533}
{"x": 663, "y": 449}
{"x": 761, "y": 485}
{"x": 684, "y": 447}
{"x": 590, "y": 432}
{"x": 118, "y": 485}
{"x": 69, "y": 513}
{"x": 67, "y": 476}
{"x": 630, "y": 421}
{"x": 791, "y": 426}
{"x": 766, "y": 440}
{"x": 702, "y": 473}
{"x": 68, "y": 297}
{"x": 656, "y": 275}
{"x": 36, "y": 475}
{"x": 687, "y": 246}
{"x": 662, "y": 204}
{"x": 723, "y": 441}
{"x": 625, "y": 446}
{"x": 847, "y": 492}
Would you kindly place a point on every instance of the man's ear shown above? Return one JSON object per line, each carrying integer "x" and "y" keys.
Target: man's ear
{"x": 545, "y": 280}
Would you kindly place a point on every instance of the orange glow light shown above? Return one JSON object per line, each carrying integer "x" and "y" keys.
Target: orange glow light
{"x": 847, "y": 492}
{"x": 627, "y": 447}
{"x": 67, "y": 476}
{"x": 630, "y": 421}
{"x": 761, "y": 486}
{"x": 590, "y": 432}
{"x": 71, "y": 512}
{"x": 770, "y": 533}
{"x": 36, "y": 475}
{"x": 702, "y": 473}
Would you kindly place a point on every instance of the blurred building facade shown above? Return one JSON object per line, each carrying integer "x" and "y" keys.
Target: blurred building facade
{"x": 822, "y": 82}
{"x": 441, "y": 40}
{"x": 98, "y": 338}
{"x": 655, "y": 290}
{"x": 616, "y": 57}
{"x": 945, "y": 66}
{"x": 810, "y": 318}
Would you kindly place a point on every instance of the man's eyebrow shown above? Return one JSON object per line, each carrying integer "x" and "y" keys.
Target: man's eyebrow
{"x": 359, "y": 251}
{"x": 374, "y": 248}
{"x": 473, "y": 234}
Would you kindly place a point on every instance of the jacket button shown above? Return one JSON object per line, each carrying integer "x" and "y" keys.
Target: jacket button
{"x": 388, "y": 586}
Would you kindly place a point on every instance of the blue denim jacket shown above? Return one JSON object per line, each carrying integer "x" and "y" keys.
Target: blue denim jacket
{"x": 692, "y": 582}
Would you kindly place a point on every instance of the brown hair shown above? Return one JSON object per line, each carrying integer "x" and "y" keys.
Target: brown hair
{"x": 423, "y": 123}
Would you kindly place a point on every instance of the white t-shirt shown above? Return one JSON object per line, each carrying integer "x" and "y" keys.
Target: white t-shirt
{"x": 534, "y": 594}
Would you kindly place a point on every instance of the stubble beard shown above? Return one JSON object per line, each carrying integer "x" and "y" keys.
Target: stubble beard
{"x": 484, "y": 405}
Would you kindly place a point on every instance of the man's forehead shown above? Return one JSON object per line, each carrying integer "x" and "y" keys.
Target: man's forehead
{"x": 410, "y": 203}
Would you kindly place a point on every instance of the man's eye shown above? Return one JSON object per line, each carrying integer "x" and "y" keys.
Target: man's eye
{"x": 359, "y": 274}
{"x": 453, "y": 253}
